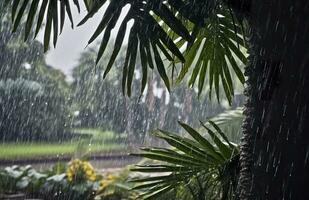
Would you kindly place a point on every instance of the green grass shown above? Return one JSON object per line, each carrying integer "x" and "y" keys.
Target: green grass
{"x": 99, "y": 135}
{"x": 20, "y": 150}
{"x": 100, "y": 141}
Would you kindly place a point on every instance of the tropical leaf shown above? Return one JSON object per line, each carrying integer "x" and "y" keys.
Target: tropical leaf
{"x": 195, "y": 160}
{"x": 36, "y": 12}
{"x": 218, "y": 48}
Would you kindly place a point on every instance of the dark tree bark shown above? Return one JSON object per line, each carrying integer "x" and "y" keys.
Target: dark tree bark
{"x": 275, "y": 147}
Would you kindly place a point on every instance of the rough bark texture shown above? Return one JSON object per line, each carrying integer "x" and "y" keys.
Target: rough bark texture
{"x": 275, "y": 147}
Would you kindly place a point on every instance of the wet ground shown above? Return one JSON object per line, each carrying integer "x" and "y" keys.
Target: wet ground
{"x": 105, "y": 161}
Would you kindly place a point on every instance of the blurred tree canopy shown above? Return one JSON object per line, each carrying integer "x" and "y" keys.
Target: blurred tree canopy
{"x": 34, "y": 96}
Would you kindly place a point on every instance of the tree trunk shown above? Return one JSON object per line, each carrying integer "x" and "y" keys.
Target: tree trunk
{"x": 275, "y": 147}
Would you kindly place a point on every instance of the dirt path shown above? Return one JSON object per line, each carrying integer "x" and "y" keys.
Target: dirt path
{"x": 64, "y": 158}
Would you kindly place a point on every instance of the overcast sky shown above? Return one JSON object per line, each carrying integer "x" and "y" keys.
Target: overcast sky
{"x": 71, "y": 43}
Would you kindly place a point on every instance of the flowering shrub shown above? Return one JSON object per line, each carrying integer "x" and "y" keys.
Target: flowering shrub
{"x": 115, "y": 185}
{"x": 80, "y": 171}
{"x": 76, "y": 180}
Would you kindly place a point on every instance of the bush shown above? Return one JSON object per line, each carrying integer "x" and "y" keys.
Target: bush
{"x": 75, "y": 181}
{"x": 29, "y": 112}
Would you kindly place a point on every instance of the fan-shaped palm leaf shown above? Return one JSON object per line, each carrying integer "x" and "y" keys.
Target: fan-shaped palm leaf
{"x": 190, "y": 160}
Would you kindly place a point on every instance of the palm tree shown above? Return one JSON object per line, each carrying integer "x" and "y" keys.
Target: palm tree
{"x": 275, "y": 146}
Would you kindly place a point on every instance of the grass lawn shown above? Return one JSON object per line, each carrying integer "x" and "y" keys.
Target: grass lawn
{"x": 99, "y": 141}
{"x": 14, "y": 150}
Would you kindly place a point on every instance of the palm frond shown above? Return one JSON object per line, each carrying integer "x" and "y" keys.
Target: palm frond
{"x": 195, "y": 160}
{"x": 38, "y": 12}
{"x": 218, "y": 48}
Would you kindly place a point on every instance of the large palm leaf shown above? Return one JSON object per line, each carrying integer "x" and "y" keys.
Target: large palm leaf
{"x": 219, "y": 48}
{"x": 212, "y": 163}
{"x": 213, "y": 36}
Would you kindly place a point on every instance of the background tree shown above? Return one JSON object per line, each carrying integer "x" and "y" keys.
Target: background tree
{"x": 33, "y": 95}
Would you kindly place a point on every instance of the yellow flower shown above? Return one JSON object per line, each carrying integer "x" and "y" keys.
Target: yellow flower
{"x": 103, "y": 184}
{"x": 82, "y": 169}
{"x": 110, "y": 177}
{"x": 70, "y": 176}
{"x": 72, "y": 168}
{"x": 88, "y": 166}
{"x": 92, "y": 178}
{"x": 89, "y": 172}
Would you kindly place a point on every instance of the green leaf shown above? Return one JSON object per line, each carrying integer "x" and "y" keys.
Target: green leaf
{"x": 158, "y": 193}
{"x": 206, "y": 144}
{"x": 48, "y": 28}
{"x": 221, "y": 133}
{"x": 143, "y": 57}
{"x": 30, "y": 18}
{"x": 117, "y": 47}
{"x": 160, "y": 168}
{"x": 225, "y": 151}
{"x": 169, "y": 157}
{"x": 95, "y": 8}
{"x": 41, "y": 16}
{"x": 235, "y": 50}
{"x": 107, "y": 33}
{"x": 62, "y": 15}
{"x": 175, "y": 24}
{"x": 19, "y": 15}
{"x": 54, "y": 12}
{"x": 14, "y": 9}
{"x": 187, "y": 148}
{"x": 133, "y": 49}
{"x": 68, "y": 10}
{"x": 190, "y": 56}
{"x": 160, "y": 67}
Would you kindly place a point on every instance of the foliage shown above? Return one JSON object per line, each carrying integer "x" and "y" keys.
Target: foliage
{"x": 115, "y": 185}
{"x": 70, "y": 182}
{"x": 33, "y": 95}
{"x": 206, "y": 27}
{"x": 29, "y": 112}
{"x": 187, "y": 33}
{"x": 17, "y": 178}
{"x": 197, "y": 166}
